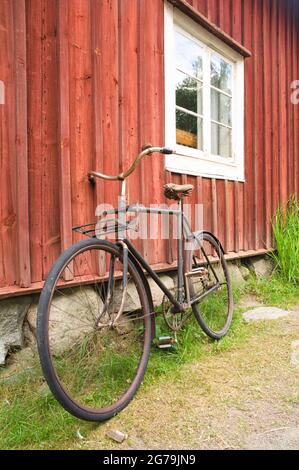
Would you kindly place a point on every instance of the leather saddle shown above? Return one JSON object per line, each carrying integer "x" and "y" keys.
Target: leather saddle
{"x": 177, "y": 191}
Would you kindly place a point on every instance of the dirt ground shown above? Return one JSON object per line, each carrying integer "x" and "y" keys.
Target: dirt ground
{"x": 243, "y": 398}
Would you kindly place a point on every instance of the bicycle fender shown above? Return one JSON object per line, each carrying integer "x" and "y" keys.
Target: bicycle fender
{"x": 149, "y": 294}
{"x": 211, "y": 235}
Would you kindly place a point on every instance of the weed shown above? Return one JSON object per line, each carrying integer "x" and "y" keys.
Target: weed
{"x": 286, "y": 233}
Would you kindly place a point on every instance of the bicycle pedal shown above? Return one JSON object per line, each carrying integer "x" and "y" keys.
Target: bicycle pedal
{"x": 165, "y": 342}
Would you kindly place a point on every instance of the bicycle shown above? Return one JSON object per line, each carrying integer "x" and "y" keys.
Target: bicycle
{"x": 96, "y": 317}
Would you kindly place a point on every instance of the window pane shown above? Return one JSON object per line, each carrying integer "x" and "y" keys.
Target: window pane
{"x": 221, "y": 74}
{"x": 188, "y": 93}
{"x": 221, "y": 140}
{"x": 189, "y": 130}
{"x": 188, "y": 55}
{"x": 221, "y": 107}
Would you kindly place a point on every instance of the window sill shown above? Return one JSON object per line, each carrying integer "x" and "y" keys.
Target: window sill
{"x": 205, "y": 167}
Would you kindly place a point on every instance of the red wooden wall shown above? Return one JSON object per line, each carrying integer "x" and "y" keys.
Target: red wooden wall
{"x": 84, "y": 90}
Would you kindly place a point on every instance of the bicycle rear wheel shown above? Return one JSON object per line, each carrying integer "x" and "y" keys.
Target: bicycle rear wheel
{"x": 210, "y": 284}
{"x": 92, "y": 367}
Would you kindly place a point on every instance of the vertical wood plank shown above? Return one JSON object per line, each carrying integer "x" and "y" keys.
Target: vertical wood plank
{"x": 81, "y": 126}
{"x": 9, "y": 270}
{"x": 151, "y": 107}
{"x": 267, "y": 117}
{"x": 214, "y": 208}
{"x": 21, "y": 143}
{"x": 237, "y": 35}
{"x": 274, "y": 104}
{"x": 106, "y": 39}
{"x": 290, "y": 12}
{"x": 238, "y": 222}
{"x": 50, "y": 137}
{"x": 249, "y": 221}
{"x": 169, "y": 242}
{"x": 226, "y": 218}
{"x": 128, "y": 100}
{"x": 64, "y": 127}
{"x": 34, "y": 91}
{"x": 295, "y": 75}
{"x": 221, "y": 211}
{"x": 282, "y": 103}
{"x": 258, "y": 191}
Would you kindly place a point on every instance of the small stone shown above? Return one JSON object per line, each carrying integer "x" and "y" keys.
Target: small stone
{"x": 235, "y": 274}
{"x": 264, "y": 313}
{"x": 12, "y": 314}
{"x": 116, "y": 436}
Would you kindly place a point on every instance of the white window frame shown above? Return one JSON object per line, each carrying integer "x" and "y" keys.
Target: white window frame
{"x": 193, "y": 161}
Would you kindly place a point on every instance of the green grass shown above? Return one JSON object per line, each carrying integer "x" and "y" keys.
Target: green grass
{"x": 274, "y": 291}
{"x": 286, "y": 233}
{"x": 31, "y": 418}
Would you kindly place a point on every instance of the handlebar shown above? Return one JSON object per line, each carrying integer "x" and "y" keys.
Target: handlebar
{"x": 146, "y": 150}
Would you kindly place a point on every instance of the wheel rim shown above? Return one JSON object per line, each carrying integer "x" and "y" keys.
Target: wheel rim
{"x": 95, "y": 365}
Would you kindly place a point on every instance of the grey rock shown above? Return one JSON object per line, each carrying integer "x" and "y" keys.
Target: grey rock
{"x": 72, "y": 317}
{"x": 263, "y": 267}
{"x": 235, "y": 274}
{"x": 264, "y": 313}
{"x": 30, "y": 324}
{"x": 245, "y": 272}
{"x": 132, "y": 301}
{"x": 29, "y": 334}
{"x": 157, "y": 293}
{"x": 12, "y": 314}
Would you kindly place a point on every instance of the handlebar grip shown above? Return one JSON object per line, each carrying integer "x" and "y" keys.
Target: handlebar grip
{"x": 166, "y": 151}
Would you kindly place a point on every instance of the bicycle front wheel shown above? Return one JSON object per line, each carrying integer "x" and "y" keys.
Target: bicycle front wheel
{"x": 92, "y": 364}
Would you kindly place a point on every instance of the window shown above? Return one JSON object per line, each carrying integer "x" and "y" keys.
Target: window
{"x": 204, "y": 105}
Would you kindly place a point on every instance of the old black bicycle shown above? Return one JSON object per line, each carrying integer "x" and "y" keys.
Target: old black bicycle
{"x": 96, "y": 317}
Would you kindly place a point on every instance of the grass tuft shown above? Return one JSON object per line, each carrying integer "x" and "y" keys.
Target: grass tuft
{"x": 286, "y": 233}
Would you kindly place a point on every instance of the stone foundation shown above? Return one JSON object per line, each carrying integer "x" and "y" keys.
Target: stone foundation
{"x": 18, "y": 315}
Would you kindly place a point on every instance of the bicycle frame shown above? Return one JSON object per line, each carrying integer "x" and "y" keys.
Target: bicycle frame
{"x": 128, "y": 246}
{"x": 184, "y": 234}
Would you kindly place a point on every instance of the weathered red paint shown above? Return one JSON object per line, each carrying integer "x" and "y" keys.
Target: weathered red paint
{"x": 93, "y": 74}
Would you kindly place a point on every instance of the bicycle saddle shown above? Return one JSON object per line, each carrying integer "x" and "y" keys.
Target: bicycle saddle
{"x": 177, "y": 191}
